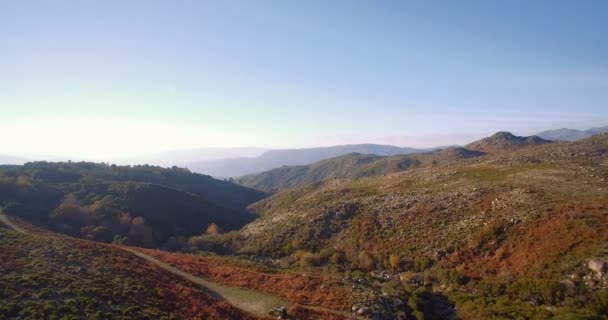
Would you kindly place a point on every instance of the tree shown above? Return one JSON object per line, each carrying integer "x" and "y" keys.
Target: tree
{"x": 366, "y": 261}
{"x": 69, "y": 217}
{"x": 213, "y": 229}
{"x": 140, "y": 234}
{"x": 394, "y": 262}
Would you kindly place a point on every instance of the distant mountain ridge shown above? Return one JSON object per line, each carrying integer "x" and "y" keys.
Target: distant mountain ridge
{"x": 352, "y": 165}
{"x": 290, "y": 157}
{"x": 356, "y": 165}
{"x": 566, "y": 134}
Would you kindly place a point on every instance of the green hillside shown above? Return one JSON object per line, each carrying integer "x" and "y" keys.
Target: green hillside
{"x": 141, "y": 205}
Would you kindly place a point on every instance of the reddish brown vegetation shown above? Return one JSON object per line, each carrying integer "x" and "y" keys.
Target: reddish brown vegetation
{"x": 155, "y": 288}
{"x": 302, "y": 313}
{"x": 573, "y": 231}
{"x": 306, "y": 289}
{"x": 174, "y": 294}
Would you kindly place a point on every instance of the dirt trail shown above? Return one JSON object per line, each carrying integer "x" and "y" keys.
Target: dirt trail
{"x": 4, "y": 219}
{"x": 254, "y": 302}
{"x": 251, "y": 301}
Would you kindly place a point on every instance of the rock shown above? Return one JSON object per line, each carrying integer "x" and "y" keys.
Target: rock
{"x": 599, "y": 266}
{"x": 440, "y": 254}
{"x": 569, "y": 284}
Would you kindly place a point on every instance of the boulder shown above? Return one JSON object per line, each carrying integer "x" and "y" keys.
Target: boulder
{"x": 599, "y": 266}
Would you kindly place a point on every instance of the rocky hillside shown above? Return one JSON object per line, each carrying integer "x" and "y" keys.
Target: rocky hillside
{"x": 350, "y": 166}
{"x": 504, "y": 141}
{"x": 523, "y": 225}
{"x": 456, "y": 198}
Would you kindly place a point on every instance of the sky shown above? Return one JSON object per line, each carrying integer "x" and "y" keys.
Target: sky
{"x": 120, "y": 78}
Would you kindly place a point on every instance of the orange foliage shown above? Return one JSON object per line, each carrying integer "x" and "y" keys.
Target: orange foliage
{"x": 572, "y": 230}
{"x": 306, "y": 289}
{"x": 214, "y": 229}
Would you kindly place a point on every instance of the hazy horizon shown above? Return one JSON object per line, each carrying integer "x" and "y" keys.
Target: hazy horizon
{"x": 120, "y": 80}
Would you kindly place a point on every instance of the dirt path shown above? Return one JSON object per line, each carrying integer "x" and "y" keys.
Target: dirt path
{"x": 4, "y": 219}
{"x": 251, "y": 301}
{"x": 254, "y": 302}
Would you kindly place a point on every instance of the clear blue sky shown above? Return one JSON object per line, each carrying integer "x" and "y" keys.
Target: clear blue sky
{"x": 128, "y": 76}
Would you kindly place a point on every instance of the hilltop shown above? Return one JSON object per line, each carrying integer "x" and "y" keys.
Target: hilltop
{"x": 504, "y": 141}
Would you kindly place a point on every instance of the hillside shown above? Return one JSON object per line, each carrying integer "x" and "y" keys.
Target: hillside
{"x": 142, "y": 205}
{"x": 45, "y": 276}
{"x": 518, "y": 227}
{"x": 504, "y": 141}
{"x": 291, "y": 176}
{"x": 565, "y": 134}
{"x": 289, "y": 157}
{"x": 350, "y": 166}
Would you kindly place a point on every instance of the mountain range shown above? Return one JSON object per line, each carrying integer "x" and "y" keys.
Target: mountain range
{"x": 357, "y": 165}
{"x": 515, "y": 229}
{"x": 290, "y": 157}
{"x": 565, "y": 134}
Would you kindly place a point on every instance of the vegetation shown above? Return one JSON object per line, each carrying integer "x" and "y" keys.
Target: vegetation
{"x": 459, "y": 234}
{"x": 352, "y": 165}
{"x": 49, "y": 277}
{"x": 506, "y": 235}
{"x": 308, "y": 289}
{"x": 141, "y": 205}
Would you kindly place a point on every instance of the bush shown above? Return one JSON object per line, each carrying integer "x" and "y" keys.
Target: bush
{"x": 422, "y": 263}
{"x": 307, "y": 259}
{"x": 365, "y": 261}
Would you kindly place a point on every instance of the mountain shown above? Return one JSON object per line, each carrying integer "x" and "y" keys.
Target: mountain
{"x": 142, "y": 205}
{"x": 565, "y": 134}
{"x": 289, "y": 157}
{"x": 349, "y": 166}
{"x": 504, "y": 141}
{"x": 527, "y": 225}
{"x": 181, "y": 158}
